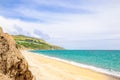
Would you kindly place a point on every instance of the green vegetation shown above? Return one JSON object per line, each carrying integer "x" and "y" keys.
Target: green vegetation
{"x": 25, "y": 42}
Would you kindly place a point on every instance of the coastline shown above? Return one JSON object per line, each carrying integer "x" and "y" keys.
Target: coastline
{"x": 45, "y": 68}
{"x": 96, "y": 69}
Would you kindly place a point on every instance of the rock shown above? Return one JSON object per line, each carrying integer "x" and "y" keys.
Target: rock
{"x": 12, "y": 63}
{"x": 1, "y": 31}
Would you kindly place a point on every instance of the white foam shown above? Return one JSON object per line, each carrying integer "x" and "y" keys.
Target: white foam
{"x": 105, "y": 71}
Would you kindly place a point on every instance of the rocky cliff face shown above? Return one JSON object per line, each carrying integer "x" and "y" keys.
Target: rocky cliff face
{"x": 13, "y": 65}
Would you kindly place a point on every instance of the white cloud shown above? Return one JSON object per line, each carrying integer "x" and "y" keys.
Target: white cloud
{"x": 77, "y": 30}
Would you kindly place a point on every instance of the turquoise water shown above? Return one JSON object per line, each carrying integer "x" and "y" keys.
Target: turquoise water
{"x": 105, "y": 59}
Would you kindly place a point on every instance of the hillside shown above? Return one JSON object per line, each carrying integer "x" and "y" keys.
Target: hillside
{"x": 30, "y": 43}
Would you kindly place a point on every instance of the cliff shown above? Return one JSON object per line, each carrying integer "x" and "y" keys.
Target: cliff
{"x": 13, "y": 65}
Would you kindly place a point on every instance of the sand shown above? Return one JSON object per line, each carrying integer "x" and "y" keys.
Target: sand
{"x": 44, "y": 68}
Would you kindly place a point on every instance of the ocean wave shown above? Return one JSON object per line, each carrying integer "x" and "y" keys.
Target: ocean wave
{"x": 101, "y": 70}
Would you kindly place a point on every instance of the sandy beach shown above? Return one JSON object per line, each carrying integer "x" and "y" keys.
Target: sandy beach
{"x": 44, "y": 68}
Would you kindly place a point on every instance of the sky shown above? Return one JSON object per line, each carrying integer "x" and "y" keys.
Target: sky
{"x": 72, "y": 24}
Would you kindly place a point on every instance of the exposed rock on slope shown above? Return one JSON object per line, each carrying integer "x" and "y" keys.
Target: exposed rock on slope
{"x": 13, "y": 65}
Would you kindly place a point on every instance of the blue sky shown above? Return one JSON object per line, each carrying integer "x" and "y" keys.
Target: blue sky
{"x": 73, "y": 24}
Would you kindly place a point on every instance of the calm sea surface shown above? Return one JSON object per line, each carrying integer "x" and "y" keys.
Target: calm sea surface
{"x": 105, "y": 59}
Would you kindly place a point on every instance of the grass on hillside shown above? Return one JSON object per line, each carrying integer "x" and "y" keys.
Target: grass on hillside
{"x": 25, "y": 42}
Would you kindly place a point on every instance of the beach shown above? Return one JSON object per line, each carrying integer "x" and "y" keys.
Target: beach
{"x": 44, "y": 68}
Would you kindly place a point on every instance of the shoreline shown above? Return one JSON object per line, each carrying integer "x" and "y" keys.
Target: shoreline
{"x": 84, "y": 73}
{"x": 89, "y": 67}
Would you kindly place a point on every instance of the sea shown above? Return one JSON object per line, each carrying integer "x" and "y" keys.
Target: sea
{"x": 104, "y": 61}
